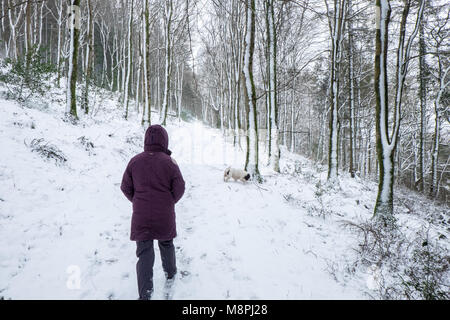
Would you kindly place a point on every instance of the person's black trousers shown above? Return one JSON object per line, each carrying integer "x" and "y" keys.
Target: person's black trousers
{"x": 144, "y": 266}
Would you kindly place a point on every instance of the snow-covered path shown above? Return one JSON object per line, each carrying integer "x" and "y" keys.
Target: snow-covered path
{"x": 62, "y": 222}
{"x": 239, "y": 241}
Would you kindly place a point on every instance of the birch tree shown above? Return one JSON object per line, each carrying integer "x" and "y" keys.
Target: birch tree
{"x": 14, "y": 14}
{"x": 386, "y": 142}
{"x": 274, "y": 147}
{"x": 59, "y": 17}
{"x": 146, "y": 55}
{"x": 28, "y": 33}
{"x": 351, "y": 92}
{"x": 168, "y": 13}
{"x": 251, "y": 163}
{"x": 441, "y": 75}
{"x": 89, "y": 55}
{"x": 129, "y": 59}
{"x": 422, "y": 104}
{"x": 336, "y": 26}
{"x": 74, "y": 31}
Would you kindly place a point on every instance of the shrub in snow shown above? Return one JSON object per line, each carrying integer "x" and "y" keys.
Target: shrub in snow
{"x": 47, "y": 150}
{"x": 409, "y": 266}
{"x": 319, "y": 190}
{"x": 27, "y": 76}
{"x": 293, "y": 168}
{"x": 186, "y": 115}
{"x": 87, "y": 144}
{"x": 427, "y": 275}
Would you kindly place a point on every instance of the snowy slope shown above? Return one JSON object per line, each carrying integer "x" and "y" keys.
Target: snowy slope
{"x": 279, "y": 240}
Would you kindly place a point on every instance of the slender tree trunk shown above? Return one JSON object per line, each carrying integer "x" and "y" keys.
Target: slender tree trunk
{"x": 3, "y": 28}
{"x": 336, "y": 29}
{"x": 384, "y": 204}
{"x": 292, "y": 124}
{"x": 138, "y": 76}
{"x": 351, "y": 90}
{"x": 128, "y": 69}
{"x": 168, "y": 22}
{"x": 89, "y": 56}
{"x": 274, "y": 131}
{"x": 146, "y": 54}
{"x": 292, "y": 116}
{"x": 28, "y": 38}
{"x": 251, "y": 164}
{"x": 237, "y": 103}
{"x": 285, "y": 122}
{"x": 74, "y": 32}
{"x": 58, "y": 54}
{"x": 386, "y": 145}
{"x": 14, "y": 20}
{"x": 180, "y": 88}
{"x": 423, "y": 102}
{"x": 442, "y": 75}
{"x": 41, "y": 14}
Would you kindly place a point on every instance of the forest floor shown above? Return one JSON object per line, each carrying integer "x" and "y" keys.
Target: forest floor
{"x": 64, "y": 219}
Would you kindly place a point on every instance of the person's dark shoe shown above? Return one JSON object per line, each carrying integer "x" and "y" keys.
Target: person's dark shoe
{"x": 168, "y": 277}
{"x": 147, "y": 296}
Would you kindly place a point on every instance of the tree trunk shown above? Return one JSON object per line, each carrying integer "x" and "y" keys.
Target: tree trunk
{"x": 336, "y": 29}
{"x": 89, "y": 56}
{"x": 58, "y": 54}
{"x": 128, "y": 69}
{"x": 442, "y": 75}
{"x": 386, "y": 145}
{"x": 251, "y": 163}
{"x": 71, "y": 108}
{"x": 351, "y": 91}
{"x": 168, "y": 22}
{"x": 272, "y": 80}
{"x": 146, "y": 55}
{"x": 423, "y": 102}
{"x": 384, "y": 202}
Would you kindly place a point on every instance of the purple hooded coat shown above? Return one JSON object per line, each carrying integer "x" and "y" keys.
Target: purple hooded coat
{"x": 153, "y": 182}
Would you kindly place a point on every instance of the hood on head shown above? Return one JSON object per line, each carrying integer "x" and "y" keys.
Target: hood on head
{"x": 156, "y": 139}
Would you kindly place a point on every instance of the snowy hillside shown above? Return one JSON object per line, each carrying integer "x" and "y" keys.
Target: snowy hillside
{"x": 282, "y": 239}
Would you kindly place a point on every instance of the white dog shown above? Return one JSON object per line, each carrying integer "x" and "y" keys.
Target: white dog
{"x": 236, "y": 174}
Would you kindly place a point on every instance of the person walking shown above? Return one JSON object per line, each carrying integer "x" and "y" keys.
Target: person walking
{"x": 153, "y": 182}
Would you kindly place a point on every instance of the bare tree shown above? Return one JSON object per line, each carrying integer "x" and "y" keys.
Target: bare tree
{"x": 386, "y": 143}
{"x": 336, "y": 26}
{"x": 251, "y": 163}
{"x": 71, "y": 106}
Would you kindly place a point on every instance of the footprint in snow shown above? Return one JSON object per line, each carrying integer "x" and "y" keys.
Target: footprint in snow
{"x": 111, "y": 261}
{"x": 184, "y": 274}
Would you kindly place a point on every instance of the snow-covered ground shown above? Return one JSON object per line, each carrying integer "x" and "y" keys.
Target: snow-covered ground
{"x": 61, "y": 221}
